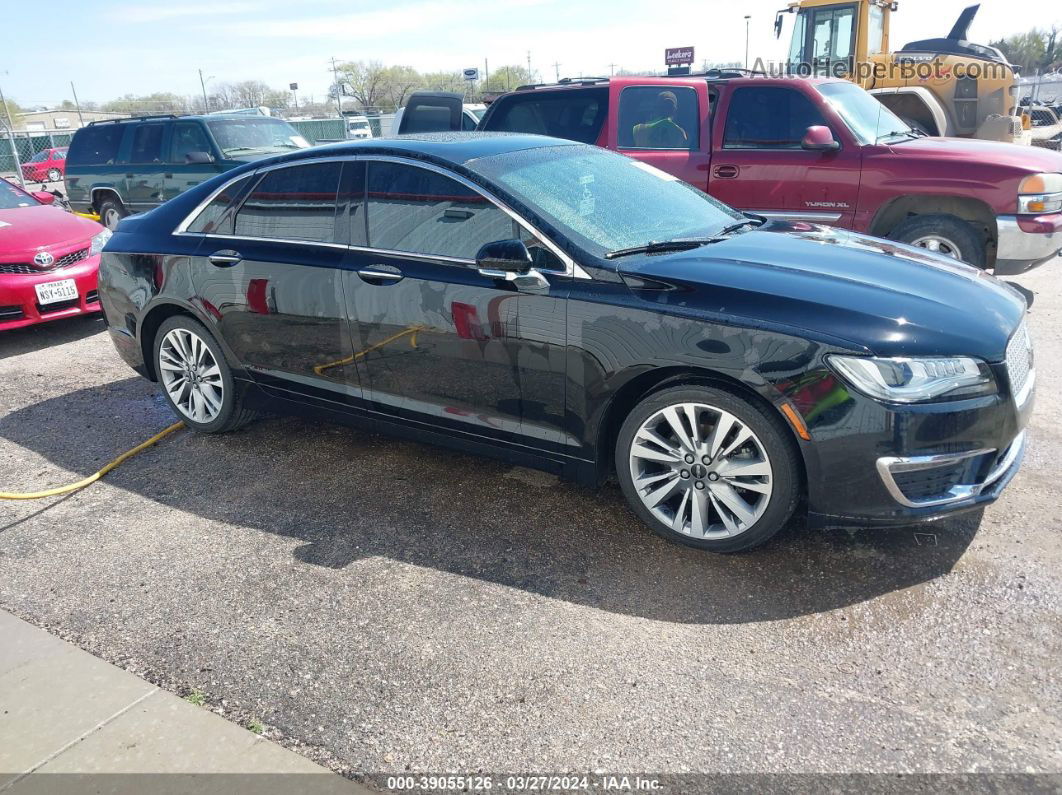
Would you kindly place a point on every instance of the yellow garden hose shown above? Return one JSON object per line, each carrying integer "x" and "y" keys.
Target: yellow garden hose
{"x": 37, "y": 495}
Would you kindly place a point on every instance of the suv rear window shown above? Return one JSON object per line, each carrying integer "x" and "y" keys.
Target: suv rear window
{"x": 94, "y": 145}
{"x": 575, "y": 114}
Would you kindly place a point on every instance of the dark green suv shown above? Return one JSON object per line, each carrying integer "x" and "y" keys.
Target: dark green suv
{"x": 125, "y": 166}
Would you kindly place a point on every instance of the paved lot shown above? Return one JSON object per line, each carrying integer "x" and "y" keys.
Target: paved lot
{"x": 387, "y": 606}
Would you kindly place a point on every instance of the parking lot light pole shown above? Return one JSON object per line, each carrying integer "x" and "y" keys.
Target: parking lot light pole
{"x": 747, "y": 18}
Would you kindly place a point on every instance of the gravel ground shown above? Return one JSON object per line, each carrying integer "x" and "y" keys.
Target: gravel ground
{"x": 388, "y": 606}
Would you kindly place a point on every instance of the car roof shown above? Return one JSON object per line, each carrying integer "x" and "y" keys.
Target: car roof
{"x": 712, "y": 77}
{"x": 446, "y": 147}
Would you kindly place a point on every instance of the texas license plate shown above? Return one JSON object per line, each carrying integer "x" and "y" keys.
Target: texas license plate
{"x": 54, "y": 292}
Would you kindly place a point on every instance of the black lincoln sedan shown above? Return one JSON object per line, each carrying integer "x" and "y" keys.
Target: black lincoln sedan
{"x": 563, "y": 307}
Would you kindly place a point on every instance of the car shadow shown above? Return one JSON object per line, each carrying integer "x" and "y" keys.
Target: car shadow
{"x": 344, "y": 494}
{"x": 30, "y": 339}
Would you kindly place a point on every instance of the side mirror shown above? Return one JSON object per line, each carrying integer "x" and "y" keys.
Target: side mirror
{"x": 819, "y": 139}
{"x": 510, "y": 261}
{"x": 43, "y": 196}
{"x": 510, "y": 256}
{"x": 199, "y": 157}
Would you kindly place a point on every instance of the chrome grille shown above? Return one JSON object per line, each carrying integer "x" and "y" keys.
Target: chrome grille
{"x": 60, "y": 262}
{"x": 1019, "y": 358}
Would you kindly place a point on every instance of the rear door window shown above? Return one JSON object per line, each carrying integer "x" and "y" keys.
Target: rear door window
{"x": 769, "y": 118}
{"x": 215, "y": 218}
{"x": 412, "y": 209}
{"x": 97, "y": 144}
{"x": 187, "y": 137}
{"x": 147, "y": 143}
{"x": 658, "y": 117}
{"x": 293, "y": 203}
{"x": 575, "y": 114}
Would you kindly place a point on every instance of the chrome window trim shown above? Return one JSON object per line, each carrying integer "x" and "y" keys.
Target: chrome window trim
{"x": 572, "y": 268}
{"x": 182, "y": 227}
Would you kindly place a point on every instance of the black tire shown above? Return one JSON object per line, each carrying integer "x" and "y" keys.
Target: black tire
{"x": 112, "y": 211}
{"x": 967, "y": 240}
{"x": 232, "y": 414}
{"x": 54, "y": 175}
{"x": 774, "y": 438}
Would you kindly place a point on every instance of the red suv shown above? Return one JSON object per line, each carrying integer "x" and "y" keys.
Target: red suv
{"x": 48, "y": 165}
{"x": 821, "y": 151}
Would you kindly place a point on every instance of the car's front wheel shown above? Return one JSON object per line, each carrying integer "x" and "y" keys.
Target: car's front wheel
{"x": 112, "y": 211}
{"x": 54, "y": 175}
{"x": 944, "y": 234}
{"x": 195, "y": 378}
{"x": 705, "y": 467}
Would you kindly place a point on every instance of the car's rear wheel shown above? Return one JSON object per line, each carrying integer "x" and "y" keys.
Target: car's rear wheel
{"x": 54, "y": 175}
{"x": 705, "y": 467}
{"x": 943, "y": 234}
{"x": 195, "y": 378}
{"x": 112, "y": 211}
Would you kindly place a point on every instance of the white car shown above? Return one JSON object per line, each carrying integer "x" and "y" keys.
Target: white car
{"x": 358, "y": 127}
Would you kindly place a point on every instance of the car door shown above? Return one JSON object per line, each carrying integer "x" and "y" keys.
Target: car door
{"x": 439, "y": 341}
{"x": 759, "y": 164}
{"x": 268, "y": 274}
{"x": 191, "y": 158}
{"x": 666, "y": 126}
{"x": 142, "y": 182}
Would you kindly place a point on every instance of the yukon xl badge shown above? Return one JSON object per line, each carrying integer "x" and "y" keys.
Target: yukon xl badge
{"x": 43, "y": 259}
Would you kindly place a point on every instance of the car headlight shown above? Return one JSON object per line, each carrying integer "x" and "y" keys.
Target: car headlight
{"x": 98, "y": 242}
{"x": 1040, "y": 193}
{"x": 912, "y": 380}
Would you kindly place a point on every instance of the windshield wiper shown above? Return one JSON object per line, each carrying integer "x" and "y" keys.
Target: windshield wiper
{"x": 658, "y": 246}
{"x": 684, "y": 243}
{"x": 910, "y": 132}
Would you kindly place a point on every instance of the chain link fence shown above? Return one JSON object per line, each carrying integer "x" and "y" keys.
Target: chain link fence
{"x": 27, "y": 144}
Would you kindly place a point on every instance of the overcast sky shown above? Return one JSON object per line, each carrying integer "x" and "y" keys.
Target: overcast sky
{"x": 112, "y": 49}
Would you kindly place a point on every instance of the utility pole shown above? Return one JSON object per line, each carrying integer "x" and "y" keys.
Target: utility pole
{"x": 747, "y": 18}
{"x": 339, "y": 92}
{"x": 556, "y": 70}
{"x": 202, "y": 85}
{"x": 530, "y": 78}
{"x": 77, "y": 104}
{"x": 612, "y": 69}
{"x": 486, "y": 76}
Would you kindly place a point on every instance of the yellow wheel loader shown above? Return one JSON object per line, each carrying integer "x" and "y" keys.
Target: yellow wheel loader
{"x": 948, "y": 86}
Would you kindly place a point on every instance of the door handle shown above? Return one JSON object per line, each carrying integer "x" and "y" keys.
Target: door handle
{"x": 130, "y": 176}
{"x": 380, "y": 274}
{"x": 224, "y": 259}
{"x": 725, "y": 172}
{"x": 530, "y": 281}
{"x": 167, "y": 176}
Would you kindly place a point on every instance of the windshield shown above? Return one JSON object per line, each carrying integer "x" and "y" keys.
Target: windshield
{"x": 604, "y": 201}
{"x": 868, "y": 119}
{"x": 478, "y": 112}
{"x": 37, "y": 158}
{"x": 359, "y": 125}
{"x": 12, "y": 198}
{"x": 255, "y": 134}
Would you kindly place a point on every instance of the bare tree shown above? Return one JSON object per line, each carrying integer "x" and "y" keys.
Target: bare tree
{"x": 365, "y": 80}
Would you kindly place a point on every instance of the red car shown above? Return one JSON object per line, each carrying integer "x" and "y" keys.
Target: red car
{"x": 48, "y": 165}
{"x": 49, "y": 259}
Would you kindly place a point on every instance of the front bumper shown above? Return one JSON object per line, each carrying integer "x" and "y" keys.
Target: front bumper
{"x": 887, "y": 465}
{"x": 18, "y": 298}
{"x": 1026, "y": 241}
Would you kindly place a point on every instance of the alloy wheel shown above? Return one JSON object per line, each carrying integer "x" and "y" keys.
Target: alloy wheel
{"x": 111, "y": 217}
{"x": 940, "y": 245}
{"x": 701, "y": 471}
{"x": 191, "y": 376}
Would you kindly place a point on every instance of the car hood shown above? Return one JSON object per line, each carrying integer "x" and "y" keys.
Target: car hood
{"x": 27, "y": 230}
{"x": 875, "y": 295}
{"x": 1027, "y": 159}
